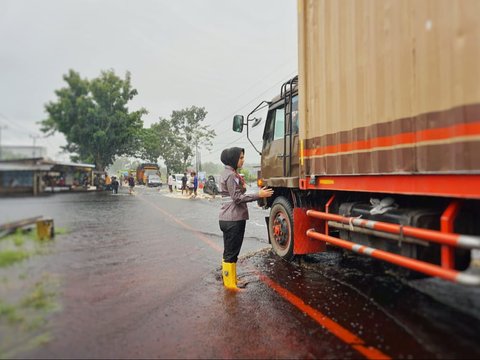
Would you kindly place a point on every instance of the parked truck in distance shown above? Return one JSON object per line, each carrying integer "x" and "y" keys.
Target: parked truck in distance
{"x": 374, "y": 147}
{"x": 144, "y": 170}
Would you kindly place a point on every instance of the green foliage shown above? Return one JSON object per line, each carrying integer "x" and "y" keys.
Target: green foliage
{"x": 248, "y": 176}
{"x": 94, "y": 117}
{"x": 9, "y": 312}
{"x": 151, "y": 143}
{"x": 18, "y": 238}
{"x": 39, "y": 298}
{"x": 61, "y": 231}
{"x": 9, "y": 257}
{"x": 26, "y": 300}
{"x": 175, "y": 139}
{"x": 121, "y": 163}
{"x": 170, "y": 145}
{"x": 187, "y": 123}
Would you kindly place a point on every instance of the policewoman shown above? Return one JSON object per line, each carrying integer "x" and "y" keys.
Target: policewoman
{"x": 234, "y": 211}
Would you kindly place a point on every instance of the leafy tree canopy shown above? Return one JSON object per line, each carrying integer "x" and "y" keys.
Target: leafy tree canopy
{"x": 161, "y": 141}
{"x": 249, "y": 177}
{"x": 187, "y": 124}
{"x": 94, "y": 117}
{"x": 175, "y": 139}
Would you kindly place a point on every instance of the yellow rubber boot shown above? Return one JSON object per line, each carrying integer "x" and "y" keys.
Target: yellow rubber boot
{"x": 229, "y": 273}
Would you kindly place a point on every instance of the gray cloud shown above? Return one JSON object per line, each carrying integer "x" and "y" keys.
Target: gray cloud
{"x": 223, "y": 55}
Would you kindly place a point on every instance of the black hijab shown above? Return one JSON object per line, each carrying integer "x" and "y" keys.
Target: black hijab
{"x": 231, "y": 156}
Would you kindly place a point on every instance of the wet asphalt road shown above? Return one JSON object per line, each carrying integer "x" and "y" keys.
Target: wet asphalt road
{"x": 139, "y": 277}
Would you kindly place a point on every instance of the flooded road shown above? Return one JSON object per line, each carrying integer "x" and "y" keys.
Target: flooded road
{"x": 139, "y": 277}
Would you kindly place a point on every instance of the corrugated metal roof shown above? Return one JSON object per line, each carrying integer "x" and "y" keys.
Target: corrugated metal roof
{"x": 42, "y": 162}
{"x": 23, "y": 167}
{"x": 74, "y": 164}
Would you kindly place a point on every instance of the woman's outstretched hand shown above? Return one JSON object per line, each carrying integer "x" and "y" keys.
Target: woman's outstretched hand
{"x": 265, "y": 192}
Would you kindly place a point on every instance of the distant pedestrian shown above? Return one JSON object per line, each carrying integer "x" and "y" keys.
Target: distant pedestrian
{"x": 108, "y": 182}
{"x": 115, "y": 185}
{"x": 170, "y": 182}
{"x": 85, "y": 181}
{"x": 184, "y": 182}
{"x": 190, "y": 184}
{"x": 195, "y": 184}
{"x": 131, "y": 184}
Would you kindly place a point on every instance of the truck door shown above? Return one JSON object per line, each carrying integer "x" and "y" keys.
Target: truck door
{"x": 279, "y": 153}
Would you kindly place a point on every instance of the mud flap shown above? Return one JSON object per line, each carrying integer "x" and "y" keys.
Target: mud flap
{"x": 302, "y": 243}
{"x": 268, "y": 232}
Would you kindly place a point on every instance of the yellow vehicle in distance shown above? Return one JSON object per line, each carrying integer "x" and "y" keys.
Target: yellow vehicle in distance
{"x": 144, "y": 170}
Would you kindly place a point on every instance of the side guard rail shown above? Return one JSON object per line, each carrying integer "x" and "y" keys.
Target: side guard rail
{"x": 443, "y": 238}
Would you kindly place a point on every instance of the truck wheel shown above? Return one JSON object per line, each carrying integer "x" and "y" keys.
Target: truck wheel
{"x": 280, "y": 227}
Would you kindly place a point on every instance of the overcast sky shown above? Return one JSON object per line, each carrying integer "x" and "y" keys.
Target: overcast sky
{"x": 223, "y": 55}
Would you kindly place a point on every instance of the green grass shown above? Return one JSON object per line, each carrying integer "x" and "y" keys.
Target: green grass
{"x": 18, "y": 239}
{"x": 9, "y": 312}
{"x": 23, "y": 320}
{"x": 39, "y": 298}
{"x": 9, "y": 257}
{"x": 61, "y": 231}
{"x": 28, "y": 345}
{"x": 36, "y": 323}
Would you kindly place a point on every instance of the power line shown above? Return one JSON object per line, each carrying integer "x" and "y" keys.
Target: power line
{"x": 233, "y": 142}
{"x": 18, "y": 126}
{"x": 262, "y": 80}
{"x": 256, "y": 97}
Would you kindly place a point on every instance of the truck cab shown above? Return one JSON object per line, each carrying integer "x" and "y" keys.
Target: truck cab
{"x": 280, "y": 140}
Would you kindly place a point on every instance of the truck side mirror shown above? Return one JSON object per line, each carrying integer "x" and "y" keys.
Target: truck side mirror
{"x": 238, "y": 123}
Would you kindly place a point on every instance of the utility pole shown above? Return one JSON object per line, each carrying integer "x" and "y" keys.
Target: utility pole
{"x": 1, "y": 127}
{"x": 196, "y": 156}
{"x": 34, "y": 137}
{"x": 199, "y": 161}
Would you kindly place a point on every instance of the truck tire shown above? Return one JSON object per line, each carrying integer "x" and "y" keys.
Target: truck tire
{"x": 280, "y": 227}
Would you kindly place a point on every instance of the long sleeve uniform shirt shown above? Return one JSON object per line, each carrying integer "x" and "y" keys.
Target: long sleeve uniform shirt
{"x": 234, "y": 198}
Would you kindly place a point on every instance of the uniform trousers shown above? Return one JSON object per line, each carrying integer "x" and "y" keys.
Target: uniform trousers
{"x": 233, "y": 232}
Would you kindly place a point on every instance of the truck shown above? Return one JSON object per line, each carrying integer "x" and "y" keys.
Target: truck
{"x": 144, "y": 170}
{"x": 375, "y": 146}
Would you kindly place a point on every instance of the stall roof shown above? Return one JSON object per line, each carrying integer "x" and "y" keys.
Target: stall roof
{"x": 24, "y": 167}
{"x": 40, "y": 164}
{"x": 73, "y": 164}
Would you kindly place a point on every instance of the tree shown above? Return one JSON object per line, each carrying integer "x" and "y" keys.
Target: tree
{"x": 150, "y": 145}
{"x": 160, "y": 140}
{"x": 248, "y": 176}
{"x": 121, "y": 163}
{"x": 94, "y": 117}
{"x": 187, "y": 125}
{"x": 176, "y": 139}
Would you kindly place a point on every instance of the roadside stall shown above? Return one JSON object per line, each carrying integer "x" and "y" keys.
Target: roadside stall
{"x": 65, "y": 176}
{"x": 22, "y": 178}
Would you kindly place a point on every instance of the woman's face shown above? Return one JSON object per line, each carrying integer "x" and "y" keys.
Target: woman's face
{"x": 241, "y": 160}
